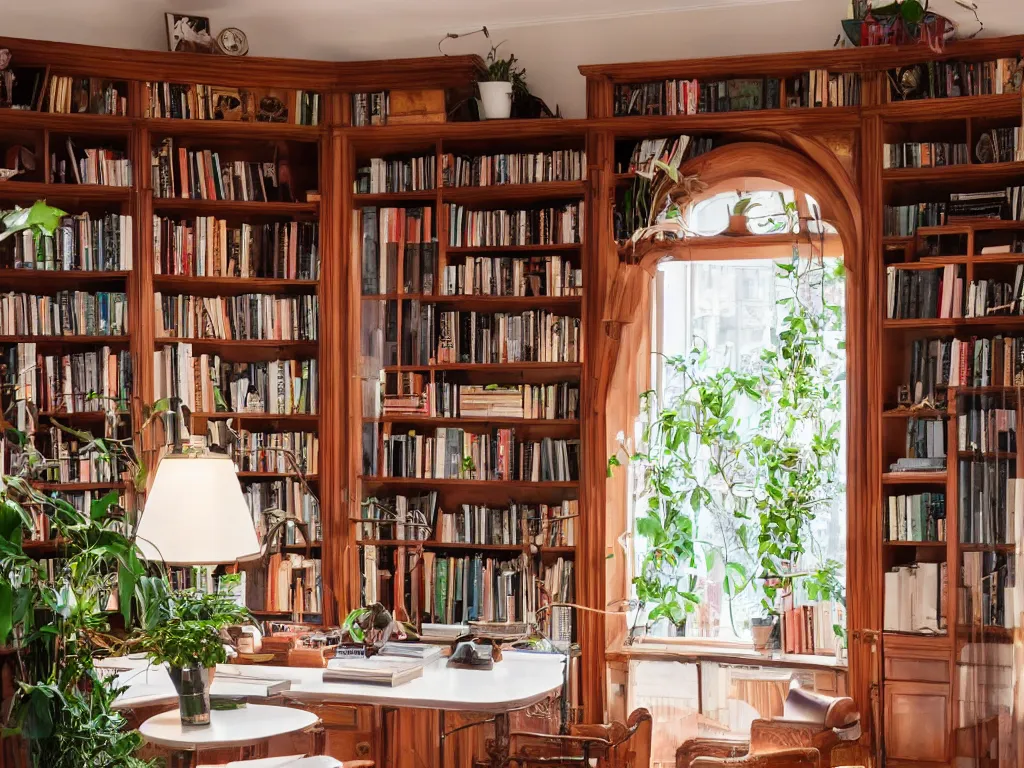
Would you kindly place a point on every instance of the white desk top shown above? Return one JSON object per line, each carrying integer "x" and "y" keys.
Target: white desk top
{"x": 519, "y": 680}
{"x": 227, "y": 728}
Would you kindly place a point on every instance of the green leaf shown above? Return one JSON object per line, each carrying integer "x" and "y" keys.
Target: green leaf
{"x": 6, "y": 611}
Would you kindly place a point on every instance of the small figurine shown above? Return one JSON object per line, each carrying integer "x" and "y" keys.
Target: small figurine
{"x": 6, "y": 78}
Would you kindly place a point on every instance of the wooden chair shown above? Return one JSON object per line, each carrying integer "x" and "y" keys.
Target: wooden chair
{"x": 294, "y": 761}
{"x": 616, "y": 745}
{"x": 803, "y": 737}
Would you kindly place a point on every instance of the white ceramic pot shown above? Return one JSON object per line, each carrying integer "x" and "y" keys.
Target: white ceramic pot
{"x": 496, "y": 98}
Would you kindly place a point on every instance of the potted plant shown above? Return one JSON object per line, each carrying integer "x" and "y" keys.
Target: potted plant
{"x": 183, "y": 630}
{"x": 500, "y": 84}
{"x": 738, "y": 216}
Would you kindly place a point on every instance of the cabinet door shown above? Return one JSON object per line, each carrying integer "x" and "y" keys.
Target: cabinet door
{"x": 917, "y": 721}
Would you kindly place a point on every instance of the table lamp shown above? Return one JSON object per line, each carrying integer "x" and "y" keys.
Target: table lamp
{"x": 195, "y": 513}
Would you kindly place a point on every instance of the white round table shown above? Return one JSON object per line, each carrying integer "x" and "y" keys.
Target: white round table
{"x": 242, "y": 727}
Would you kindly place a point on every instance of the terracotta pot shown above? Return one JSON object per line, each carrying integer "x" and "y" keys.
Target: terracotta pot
{"x": 762, "y": 636}
{"x": 738, "y": 224}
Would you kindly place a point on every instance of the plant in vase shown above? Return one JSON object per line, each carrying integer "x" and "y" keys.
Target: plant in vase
{"x": 502, "y": 82}
{"x": 184, "y": 630}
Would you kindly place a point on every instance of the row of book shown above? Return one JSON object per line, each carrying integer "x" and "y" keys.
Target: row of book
{"x": 272, "y": 500}
{"x": 93, "y": 165}
{"x": 988, "y": 595}
{"x": 448, "y": 590}
{"x": 87, "y": 95}
{"x": 198, "y": 101}
{"x": 670, "y": 151}
{"x": 98, "y": 380}
{"x": 66, "y": 313}
{"x": 821, "y": 88}
{"x": 399, "y": 174}
{"x": 537, "y": 226}
{"x": 399, "y": 248}
{"x": 513, "y": 168}
{"x": 986, "y": 426}
{"x": 946, "y": 79}
{"x": 1000, "y": 145}
{"x": 543, "y": 525}
{"x": 451, "y": 453}
{"x": 926, "y": 439}
{"x": 82, "y": 501}
{"x": 250, "y": 316}
{"x": 915, "y": 598}
{"x": 370, "y": 108}
{"x": 200, "y": 175}
{"x": 916, "y": 517}
{"x": 208, "y": 384}
{"x": 924, "y": 154}
{"x": 293, "y": 585}
{"x": 469, "y": 401}
{"x": 925, "y": 293}
{"x": 210, "y": 247}
{"x": 976, "y": 362}
{"x": 282, "y": 452}
{"x": 418, "y": 518}
{"x": 80, "y": 242}
{"x": 809, "y": 627}
{"x": 987, "y": 298}
{"x": 535, "y": 335}
{"x": 990, "y": 495}
{"x": 904, "y": 220}
{"x": 509, "y": 276}
{"x": 70, "y": 460}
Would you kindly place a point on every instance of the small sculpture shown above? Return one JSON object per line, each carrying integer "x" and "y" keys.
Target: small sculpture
{"x": 6, "y": 78}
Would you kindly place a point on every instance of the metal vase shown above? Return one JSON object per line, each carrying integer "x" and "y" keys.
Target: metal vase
{"x": 193, "y": 686}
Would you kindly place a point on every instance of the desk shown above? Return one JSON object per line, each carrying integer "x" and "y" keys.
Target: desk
{"x": 519, "y": 681}
{"x": 228, "y": 728}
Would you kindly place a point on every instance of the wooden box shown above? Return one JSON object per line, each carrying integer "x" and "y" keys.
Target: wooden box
{"x": 422, "y": 106}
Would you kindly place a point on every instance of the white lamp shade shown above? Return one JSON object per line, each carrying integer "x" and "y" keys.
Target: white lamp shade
{"x": 196, "y": 514}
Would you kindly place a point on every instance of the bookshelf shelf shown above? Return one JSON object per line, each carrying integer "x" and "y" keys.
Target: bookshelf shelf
{"x": 988, "y": 547}
{"x": 986, "y": 454}
{"x": 441, "y": 421}
{"x": 413, "y": 198}
{"x": 242, "y": 350}
{"x": 920, "y": 413}
{"x": 484, "y": 303}
{"x": 975, "y": 225}
{"x": 67, "y": 123}
{"x": 466, "y": 546}
{"x": 70, "y": 487}
{"x": 564, "y": 370}
{"x": 999, "y": 174}
{"x": 497, "y": 250}
{"x": 54, "y": 342}
{"x": 232, "y": 129}
{"x": 916, "y": 544}
{"x": 60, "y": 279}
{"x": 940, "y": 638}
{"x": 231, "y": 285}
{"x": 301, "y": 420}
{"x": 381, "y": 482}
{"x": 232, "y": 207}
{"x": 993, "y": 105}
{"x": 823, "y": 118}
{"x": 913, "y": 478}
{"x": 274, "y": 476}
{"x": 953, "y": 324}
{"x": 514, "y": 193}
{"x": 30, "y": 191}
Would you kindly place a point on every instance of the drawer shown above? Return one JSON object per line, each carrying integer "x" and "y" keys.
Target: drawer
{"x": 922, "y": 670}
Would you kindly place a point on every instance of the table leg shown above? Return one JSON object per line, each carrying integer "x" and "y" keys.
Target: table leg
{"x": 441, "y": 737}
{"x": 497, "y": 749}
{"x": 183, "y": 759}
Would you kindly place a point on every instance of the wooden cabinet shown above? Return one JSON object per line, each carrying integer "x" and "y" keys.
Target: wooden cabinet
{"x": 917, "y": 722}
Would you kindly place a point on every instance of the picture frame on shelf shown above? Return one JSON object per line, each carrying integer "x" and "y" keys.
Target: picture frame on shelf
{"x": 189, "y": 34}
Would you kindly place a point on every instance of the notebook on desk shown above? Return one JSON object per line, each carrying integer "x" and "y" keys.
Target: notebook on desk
{"x": 389, "y": 670}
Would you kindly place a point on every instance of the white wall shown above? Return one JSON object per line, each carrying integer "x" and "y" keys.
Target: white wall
{"x": 550, "y": 53}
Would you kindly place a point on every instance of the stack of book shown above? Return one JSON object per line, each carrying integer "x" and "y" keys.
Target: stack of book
{"x": 250, "y": 316}
{"x": 1006, "y": 204}
{"x": 207, "y": 246}
{"x": 80, "y": 242}
{"x": 990, "y": 496}
{"x": 385, "y": 234}
{"x": 536, "y": 226}
{"x": 916, "y": 517}
{"x": 513, "y": 168}
{"x": 505, "y": 337}
{"x": 944, "y": 79}
{"x": 207, "y": 384}
{"x": 988, "y": 595}
{"x": 90, "y": 95}
{"x": 269, "y": 451}
{"x": 924, "y": 154}
{"x": 390, "y": 175}
{"x": 370, "y": 108}
{"x": 200, "y": 175}
{"x": 924, "y": 293}
{"x": 399, "y": 518}
{"x": 508, "y": 276}
{"x": 83, "y": 381}
{"x": 272, "y": 500}
{"x": 926, "y": 439}
{"x": 66, "y": 313}
{"x": 915, "y": 598}
{"x": 383, "y": 669}
{"x": 94, "y": 165}
{"x": 456, "y": 454}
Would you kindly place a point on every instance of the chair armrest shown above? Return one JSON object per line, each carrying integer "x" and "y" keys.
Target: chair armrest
{"x": 783, "y": 758}
{"x": 722, "y": 748}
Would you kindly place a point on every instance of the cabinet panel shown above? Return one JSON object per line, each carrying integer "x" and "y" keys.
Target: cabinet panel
{"x": 917, "y": 721}
{"x": 920, "y": 670}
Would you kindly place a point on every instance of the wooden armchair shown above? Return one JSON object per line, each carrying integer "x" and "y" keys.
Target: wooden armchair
{"x": 803, "y": 737}
{"x": 616, "y": 745}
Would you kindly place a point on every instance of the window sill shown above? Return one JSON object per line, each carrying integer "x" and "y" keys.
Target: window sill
{"x": 688, "y": 652}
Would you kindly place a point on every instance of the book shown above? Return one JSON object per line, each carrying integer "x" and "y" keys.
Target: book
{"x": 422, "y": 651}
{"x": 390, "y": 670}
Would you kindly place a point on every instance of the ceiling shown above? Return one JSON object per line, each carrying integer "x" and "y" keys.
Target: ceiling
{"x": 550, "y": 37}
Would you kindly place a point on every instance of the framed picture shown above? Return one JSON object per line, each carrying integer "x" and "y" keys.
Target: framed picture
{"x": 189, "y": 33}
